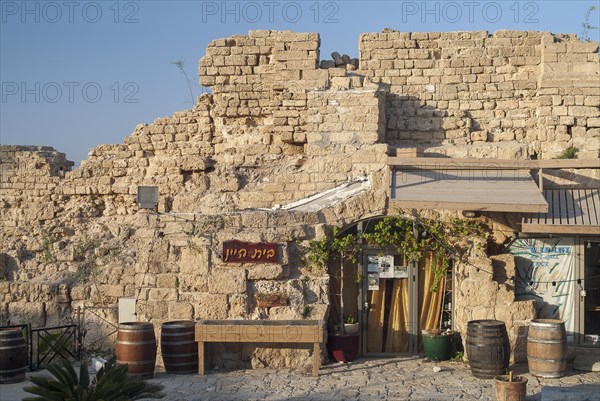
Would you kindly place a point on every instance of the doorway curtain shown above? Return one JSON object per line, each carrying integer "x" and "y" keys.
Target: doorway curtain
{"x": 388, "y": 320}
{"x": 430, "y": 303}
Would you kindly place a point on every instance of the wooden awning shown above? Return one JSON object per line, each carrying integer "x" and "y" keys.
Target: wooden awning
{"x": 571, "y": 211}
{"x": 500, "y": 190}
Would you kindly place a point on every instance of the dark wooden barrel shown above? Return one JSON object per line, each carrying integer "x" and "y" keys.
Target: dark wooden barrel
{"x": 136, "y": 347}
{"x": 488, "y": 348}
{"x": 179, "y": 347}
{"x": 13, "y": 356}
{"x": 547, "y": 348}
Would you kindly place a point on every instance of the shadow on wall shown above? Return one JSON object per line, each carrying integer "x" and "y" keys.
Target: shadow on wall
{"x": 571, "y": 179}
{"x": 8, "y": 267}
{"x": 409, "y": 122}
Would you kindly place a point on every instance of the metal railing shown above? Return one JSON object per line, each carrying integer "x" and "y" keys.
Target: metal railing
{"x": 49, "y": 342}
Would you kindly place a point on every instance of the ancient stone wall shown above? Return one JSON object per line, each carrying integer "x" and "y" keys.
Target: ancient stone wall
{"x": 277, "y": 129}
{"x": 506, "y": 95}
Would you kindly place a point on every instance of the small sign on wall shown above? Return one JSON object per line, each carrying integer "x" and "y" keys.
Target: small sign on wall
{"x": 127, "y": 310}
{"x": 235, "y": 251}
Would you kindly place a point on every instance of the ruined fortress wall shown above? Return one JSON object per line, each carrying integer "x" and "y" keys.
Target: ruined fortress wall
{"x": 526, "y": 92}
{"x": 276, "y": 129}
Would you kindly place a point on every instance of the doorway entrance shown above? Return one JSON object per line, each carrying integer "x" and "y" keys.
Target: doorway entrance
{"x": 398, "y": 303}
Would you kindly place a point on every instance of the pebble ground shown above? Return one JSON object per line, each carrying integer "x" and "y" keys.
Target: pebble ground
{"x": 410, "y": 379}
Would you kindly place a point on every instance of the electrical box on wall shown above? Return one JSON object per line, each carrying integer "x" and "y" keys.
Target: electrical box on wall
{"x": 127, "y": 310}
{"x": 147, "y": 197}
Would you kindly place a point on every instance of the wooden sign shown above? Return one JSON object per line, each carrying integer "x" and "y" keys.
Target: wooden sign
{"x": 249, "y": 252}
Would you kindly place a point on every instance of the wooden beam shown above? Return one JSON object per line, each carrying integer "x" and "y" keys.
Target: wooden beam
{"x": 465, "y": 205}
{"x": 559, "y": 229}
{"x": 201, "y": 353}
{"x": 316, "y": 359}
{"x": 433, "y": 163}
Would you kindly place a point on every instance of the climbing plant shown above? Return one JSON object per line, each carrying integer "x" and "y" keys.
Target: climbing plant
{"x": 412, "y": 238}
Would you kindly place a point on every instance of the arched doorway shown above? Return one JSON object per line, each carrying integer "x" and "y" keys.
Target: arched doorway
{"x": 390, "y": 295}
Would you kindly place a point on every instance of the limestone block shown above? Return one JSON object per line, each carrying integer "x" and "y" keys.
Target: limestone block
{"x": 583, "y": 111}
{"x": 162, "y": 294}
{"x": 194, "y": 163}
{"x": 210, "y": 306}
{"x": 80, "y": 292}
{"x": 265, "y": 272}
{"x": 592, "y": 144}
{"x": 477, "y": 293}
{"x": 278, "y": 356}
{"x": 152, "y": 311}
{"x": 167, "y": 281}
{"x": 481, "y": 313}
{"x": 238, "y": 306}
{"x": 180, "y": 310}
{"x": 112, "y": 290}
{"x": 192, "y": 282}
{"x": 230, "y": 280}
{"x": 524, "y": 310}
{"x": 27, "y": 312}
{"x": 582, "y": 47}
{"x": 195, "y": 260}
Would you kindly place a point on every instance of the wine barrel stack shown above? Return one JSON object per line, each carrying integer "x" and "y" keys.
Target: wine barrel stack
{"x": 136, "y": 347}
{"x": 547, "y": 348}
{"x": 13, "y": 356}
{"x": 488, "y": 348}
{"x": 178, "y": 347}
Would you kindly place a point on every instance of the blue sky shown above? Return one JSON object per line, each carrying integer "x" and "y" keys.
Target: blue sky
{"x": 76, "y": 74}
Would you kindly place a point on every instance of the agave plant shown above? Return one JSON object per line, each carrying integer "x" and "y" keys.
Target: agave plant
{"x": 110, "y": 384}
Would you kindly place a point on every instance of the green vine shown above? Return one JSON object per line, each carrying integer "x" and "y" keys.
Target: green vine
{"x": 444, "y": 239}
{"x": 48, "y": 249}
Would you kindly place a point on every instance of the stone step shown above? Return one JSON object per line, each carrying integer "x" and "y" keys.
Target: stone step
{"x": 587, "y": 359}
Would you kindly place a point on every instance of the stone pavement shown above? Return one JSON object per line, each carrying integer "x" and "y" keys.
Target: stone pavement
{"x": 366, "y": 379}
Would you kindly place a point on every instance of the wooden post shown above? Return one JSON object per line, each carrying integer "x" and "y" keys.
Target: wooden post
{"x": 541, "y": 179}
{"x": 200, "y": 358}
{"x": 316, "y": 359}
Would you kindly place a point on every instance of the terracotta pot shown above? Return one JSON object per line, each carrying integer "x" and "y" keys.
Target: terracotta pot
{"x": 343, "y": 348}
{"x": 511, "y": 391}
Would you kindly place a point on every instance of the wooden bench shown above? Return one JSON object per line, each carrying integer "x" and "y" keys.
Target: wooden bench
{"x": 261, "y": 331}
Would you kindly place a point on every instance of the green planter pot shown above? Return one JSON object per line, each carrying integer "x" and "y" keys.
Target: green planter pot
{"x": 437, "y": 346}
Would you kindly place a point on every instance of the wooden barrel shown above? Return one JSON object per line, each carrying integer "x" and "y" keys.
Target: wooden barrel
{"x": 179, "y": 347}
{"x": 136, "y": 347}
{"x": 13, "y": 356}
{"x": 547, "y": 348}
{"x": 488, "y": 348}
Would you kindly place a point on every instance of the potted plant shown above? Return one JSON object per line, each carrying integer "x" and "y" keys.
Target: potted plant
{"x": 271, "y": 299}
{"x": 510, "y": 388}
{"x": 344, "y": 342}
{"x": 351, "y": 325}
{"x": 437, "y": 345}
